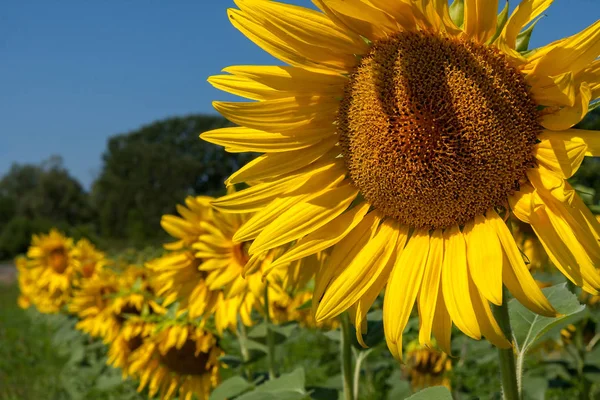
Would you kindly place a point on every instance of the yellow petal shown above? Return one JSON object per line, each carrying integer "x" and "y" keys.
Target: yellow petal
{"x": 256, "y": 197}
{"x": 590, "y": 138}
{"x": 522, "y": 202}
{"x": 362, "y": 18}
{"x": 282, "y": 115}
{"x": 240, "y": 139}
{"x": 525, "y": 12}
{"x": 442, "y": 324}
{"x": 487, "y": 322}
{"x": 343, "y": 252}
{"x": 573, "y": 54}
{"x": 325, "y": 237}
{"x": 484, "y": 256}
{"x": 280, "y": 44}
{"x": 430, "y": 287}
{"x": 556, "y": 90}
{"x": 566, "y": 117}
{"x": 402, "y": 12}
{"x": 304, "y": 218}
{"x": 591, "y": 75}
{"x": 348, "y": 286}
{"x": 480, "y": 19}
{"x": 559, "y": 154}
{"x": 455, "y": 283}
{"x": 402, "y": 289}
{"x": 515, "y": 274}
{"x": 271, "y": 165}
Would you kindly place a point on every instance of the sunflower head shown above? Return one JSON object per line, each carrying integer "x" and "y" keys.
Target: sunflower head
{"x": 178, "y": 360}
{"x": 404, "y": 139}
{"x": 87, "y": 258}
{"x": 427, "y": 367}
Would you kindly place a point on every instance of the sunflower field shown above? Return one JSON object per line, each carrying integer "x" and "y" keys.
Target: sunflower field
{"x": 416, "y": 218}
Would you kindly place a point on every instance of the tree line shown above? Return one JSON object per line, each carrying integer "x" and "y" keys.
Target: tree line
{"x": 144, "y": 174}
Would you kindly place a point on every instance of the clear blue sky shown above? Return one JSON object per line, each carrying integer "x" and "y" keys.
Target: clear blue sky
{"x": 73, "y": 73}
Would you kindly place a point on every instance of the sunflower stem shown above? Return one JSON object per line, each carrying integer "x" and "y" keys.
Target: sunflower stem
{"x": 346, "y": 357}
{"x": 511, "y": 385}
{"x": 270, "y": 336}
{"x": 242, "y": 339}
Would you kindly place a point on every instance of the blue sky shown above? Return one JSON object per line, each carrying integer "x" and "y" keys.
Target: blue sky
{"x": 73, "y": 73}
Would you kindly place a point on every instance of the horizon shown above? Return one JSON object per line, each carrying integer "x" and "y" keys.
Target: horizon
{"x": 77, "y": 74}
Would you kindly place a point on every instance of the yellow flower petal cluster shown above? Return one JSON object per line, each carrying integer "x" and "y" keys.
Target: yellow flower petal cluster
{"x": 403, "y": 141}
{"x": 209, "y": 272}
{"x": 54, "y": 266}
{"x": 105, "y": 302}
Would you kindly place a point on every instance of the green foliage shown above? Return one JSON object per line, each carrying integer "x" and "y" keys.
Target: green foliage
{"x": 34, "y": 198}
{"x": 433, "y": 393}
{"x": 148, "y": 171}
{"x": 44, "y": 357}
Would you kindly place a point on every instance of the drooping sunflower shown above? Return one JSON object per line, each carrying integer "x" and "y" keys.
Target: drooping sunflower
{"x": 130, "y": 338}
{"x": 179, "y": 360}
{"x": 403, "y": 136}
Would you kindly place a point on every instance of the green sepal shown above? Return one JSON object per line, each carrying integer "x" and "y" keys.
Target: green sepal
{"x": 501, "y": 22}
{"x": 524, "y": 37}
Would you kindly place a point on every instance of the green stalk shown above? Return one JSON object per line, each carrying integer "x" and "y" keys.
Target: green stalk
{"x": 346, "y": 357}
{"x": 242, "y": 339}
{"x": 511, "y": 387}
{"x": 270, "y": 336}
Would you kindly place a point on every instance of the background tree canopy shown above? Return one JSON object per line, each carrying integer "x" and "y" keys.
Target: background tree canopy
{"x": 145, "y": 173}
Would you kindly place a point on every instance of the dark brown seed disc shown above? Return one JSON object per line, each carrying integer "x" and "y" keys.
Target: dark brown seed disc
{"x": 436, "y": 130}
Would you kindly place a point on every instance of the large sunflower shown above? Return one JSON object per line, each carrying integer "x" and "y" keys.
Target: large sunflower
{"x": 180, "y": 360}
{"x": 404, "y": 137}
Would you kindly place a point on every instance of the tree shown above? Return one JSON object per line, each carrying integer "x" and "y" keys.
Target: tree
{"x": 147, "y": 172}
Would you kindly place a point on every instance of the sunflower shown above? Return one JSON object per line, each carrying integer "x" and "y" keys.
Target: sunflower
{"x": 427, "y": 367}
{"x": 285, "y": 307}
{"x": 27, "y": 283}
{"x": 129, "y": 339}
{"x": 403, "y": 137}
{"x": 178, "y": 360}
{"x": 204, "y": 270}
{"x": 106, "y": 301}
{"x": 87, "y": 258}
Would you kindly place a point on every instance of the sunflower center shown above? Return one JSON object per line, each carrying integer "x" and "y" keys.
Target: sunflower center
{"x": 184, "y": 361}
{"x": 58, "y": 260}
{"x": 436, "y": 130}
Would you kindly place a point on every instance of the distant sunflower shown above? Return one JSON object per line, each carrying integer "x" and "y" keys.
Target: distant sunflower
{"x": 27, "y": 283}
{"x": 178, "y": 361}
{"x": 284, "y": 308}
{"x": 104, "y": 302}
{"x": 427, "y": 367}
{"x": 87, "y": 259}
{"x": 204, "y": 271}
{"x": 129, "y": 339}
{"x": 403, "y": 137}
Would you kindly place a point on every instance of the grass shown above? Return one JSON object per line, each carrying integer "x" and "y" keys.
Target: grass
{"x": 29, "y": 364}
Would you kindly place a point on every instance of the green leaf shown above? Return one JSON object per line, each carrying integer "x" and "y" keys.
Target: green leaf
{"x": 524, "y": 37}
{"x": 534, "y": 388}
{"x": 230, "y": 388}
{"x": 529, "y": 328}
{"x": 259, "y": 332}
{"x": 432, "y": 393}
{"x": 400, "y": 387}
{"x": 105, "y": 383}
{"x": 286, "y": 387}
{"x": 457, "y": 12}
{"x": 231, "y": 361}
{"x": 306, "y": 306}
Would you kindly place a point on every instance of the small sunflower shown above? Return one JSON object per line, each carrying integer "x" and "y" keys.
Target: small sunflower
{"x": 104, "y": 302}
{"x": 179, "y": 360}
{"x": 284, "y": 307}
{"x": 87, "y": 259}
{"x": 27, "y": 283}
{"x": 427, "y": 367}
{"x": 128, "y": 340}
{"x": 403, "y": 138}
